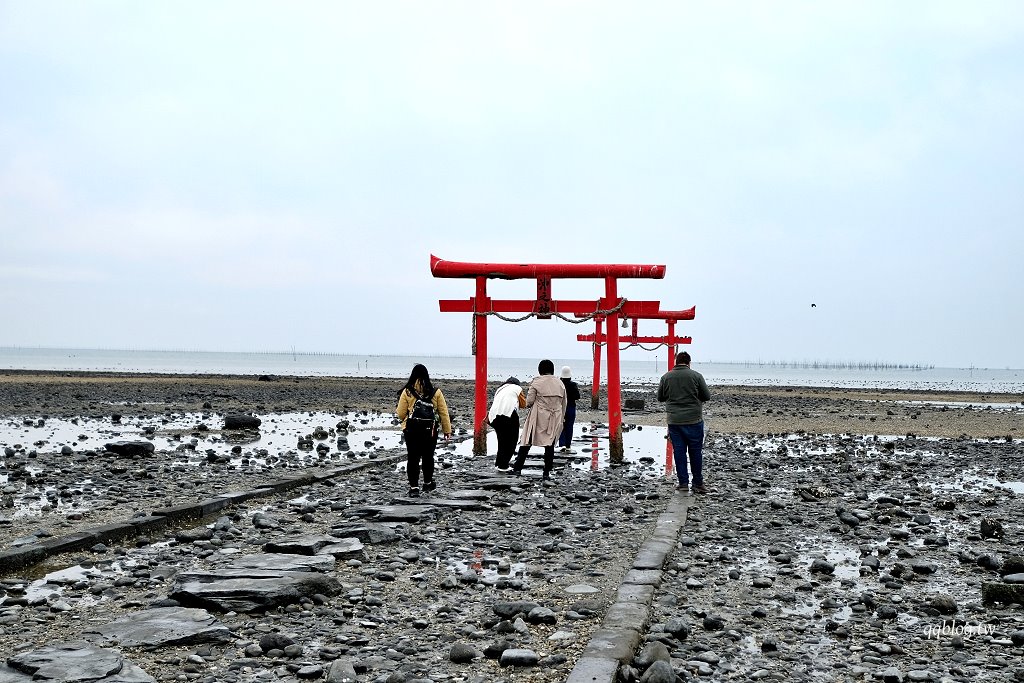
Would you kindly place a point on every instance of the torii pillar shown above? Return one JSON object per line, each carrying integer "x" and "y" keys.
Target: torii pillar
{"x": 670, "y": 340}
{"x": 544, "y": 306}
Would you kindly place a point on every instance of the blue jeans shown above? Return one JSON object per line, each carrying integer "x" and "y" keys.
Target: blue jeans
{"x": 688, "y": 438}
{"x": 565, "y": 438}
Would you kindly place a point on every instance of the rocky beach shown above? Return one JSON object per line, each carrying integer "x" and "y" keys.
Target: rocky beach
{"x": 149, "y": 532}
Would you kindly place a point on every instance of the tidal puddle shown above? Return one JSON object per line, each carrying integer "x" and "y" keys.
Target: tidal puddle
{"x": 644, "y": 450}
{"x": 978, "y": 482}
{"x": 184, "y": 431}
{"x": 489, "y": 569}
{"x": 74, "y": 583}
{"x": 185, "y": 442}
{"x": 966, "y": 405}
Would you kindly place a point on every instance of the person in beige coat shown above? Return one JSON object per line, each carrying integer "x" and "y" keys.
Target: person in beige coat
{"x": 546, "y": 401}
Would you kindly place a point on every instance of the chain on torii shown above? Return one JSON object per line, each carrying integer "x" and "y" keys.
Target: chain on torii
{"x": 669, "y": 340}
{"x": 608, "y": 307}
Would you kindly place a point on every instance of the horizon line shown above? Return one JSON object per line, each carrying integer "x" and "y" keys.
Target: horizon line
{"x": 804, "y": 364}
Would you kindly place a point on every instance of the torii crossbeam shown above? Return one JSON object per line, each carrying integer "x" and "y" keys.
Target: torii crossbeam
{"x": 669, "y": 340}
{"x": 609, "y": 307}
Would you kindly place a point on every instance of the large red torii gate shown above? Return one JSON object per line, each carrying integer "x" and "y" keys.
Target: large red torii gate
{"x": 544, "y": 307}
{"x": 670, "y": 340}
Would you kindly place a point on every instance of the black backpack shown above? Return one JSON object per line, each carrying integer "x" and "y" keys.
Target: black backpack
{"x": 422, "y": 412}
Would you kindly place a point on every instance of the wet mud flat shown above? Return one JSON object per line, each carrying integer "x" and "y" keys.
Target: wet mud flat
{"x": 494, "y": 578}
{"x": 439, "y": 587}
{"x": 847, "y": 558}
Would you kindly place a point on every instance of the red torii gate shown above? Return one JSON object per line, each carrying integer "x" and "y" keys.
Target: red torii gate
{"x": 670, "y": 340}
{"x": 544, "y": 307}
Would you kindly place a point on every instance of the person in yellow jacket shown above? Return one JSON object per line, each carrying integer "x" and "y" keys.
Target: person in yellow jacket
{"x": 420, "y": 407}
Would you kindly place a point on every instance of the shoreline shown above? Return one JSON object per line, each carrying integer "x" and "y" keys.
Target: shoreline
{"x": 733, "y": 408}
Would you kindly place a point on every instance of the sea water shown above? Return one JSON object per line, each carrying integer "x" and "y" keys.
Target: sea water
{"x": 633, "y": 372}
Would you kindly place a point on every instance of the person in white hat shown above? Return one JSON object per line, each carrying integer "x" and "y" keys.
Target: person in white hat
{"x": 572, "y": 394}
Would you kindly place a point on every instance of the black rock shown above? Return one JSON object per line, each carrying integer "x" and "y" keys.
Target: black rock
{"x": 713, "y": 623}
{"x": 991, "y": 528}
{"x": 130, "y": 449}
{"x": 463, "y": 653}
{"x": 242, "y": 422}
{"x": 275, "y": 641}
{"x": 820, "y": 566}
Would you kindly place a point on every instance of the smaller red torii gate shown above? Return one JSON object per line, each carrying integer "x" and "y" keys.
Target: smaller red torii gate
{"x": 670, "y": 340}
{"x": 609, "y": 307}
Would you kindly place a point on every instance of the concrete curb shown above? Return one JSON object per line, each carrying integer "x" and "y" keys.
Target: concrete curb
{"x": 163, "y": 518}
{"x": 1007, "y": 593}
{"x": 627, "y": 618}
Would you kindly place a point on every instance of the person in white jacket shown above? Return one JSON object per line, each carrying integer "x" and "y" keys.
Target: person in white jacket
{"x": 504, "y": 418}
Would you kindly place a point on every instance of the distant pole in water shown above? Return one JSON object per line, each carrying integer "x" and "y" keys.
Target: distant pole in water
{"x": 293, "y": 352}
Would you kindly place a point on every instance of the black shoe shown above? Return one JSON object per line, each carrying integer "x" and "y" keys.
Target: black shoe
{"x": 414, "y": 492}
{"x": 429, "y": 486}
{"x": 547, "y": 475}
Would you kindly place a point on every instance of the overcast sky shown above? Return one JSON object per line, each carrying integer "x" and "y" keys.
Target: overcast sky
{"x": 263, "y": 175}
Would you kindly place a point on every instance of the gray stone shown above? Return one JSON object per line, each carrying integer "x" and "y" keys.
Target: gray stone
{"x": 129, "y": 449}
{"x": 73, "y": 662}
{"x": 891, "y": 675}
{"x": 285, "y": 562}
{"x": 345, "y": 549}
{"x": 652, "y": 652}
{"x": 249, "y": 590}
{"x": 275, "y": 641}
{"x": 991, "y": 528}
{"x": 518, "y": 657}
{"x": 342, "y": 671}
{"x": 507, "y": 610}
{"x": 541, "y": 615}
{"x": 1014, "y": 564}
{"x": 1014, "y": 578}
{"x": 847, "y": 517}
{"x": 713, "y": 623}
{"x": 371, "y": 534}
{"x": 820, "y": 566}
{"x": 659, "y": 672}
{"x": 201, "y": 533}
{"x": 161, "y": 626}
{"x": 470, "y": 505}
{"x": 463, "y": 653}
{"x": 310, "y": 671}
{"x": 944, "y": 604}
{"x": 309, "y": 544}
{"x": 397, "y": 513}
{"x": 242, "y": 422}
{"x": 678, "y": 627}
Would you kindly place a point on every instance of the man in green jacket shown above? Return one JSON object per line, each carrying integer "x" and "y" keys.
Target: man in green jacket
{"x": 684, "y": 391}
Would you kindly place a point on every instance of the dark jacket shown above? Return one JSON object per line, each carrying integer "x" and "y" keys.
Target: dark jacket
{"x": 683, "y": 391}
{"x": 572, "y": 391}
